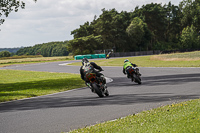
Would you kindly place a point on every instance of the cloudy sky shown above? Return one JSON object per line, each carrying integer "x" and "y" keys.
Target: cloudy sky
{"x": 53, "y": 20}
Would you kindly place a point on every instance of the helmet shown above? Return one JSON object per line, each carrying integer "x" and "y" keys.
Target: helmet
{"x": 126, "y": 60}
{"x": 84, "y": 60}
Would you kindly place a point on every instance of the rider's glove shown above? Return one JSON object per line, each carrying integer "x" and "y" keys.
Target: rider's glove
{"x": 101, "y": 69}
{"x": 134, "y": 65}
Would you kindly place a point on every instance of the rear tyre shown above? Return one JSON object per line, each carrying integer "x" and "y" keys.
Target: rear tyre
{"x": 97, "y": 90}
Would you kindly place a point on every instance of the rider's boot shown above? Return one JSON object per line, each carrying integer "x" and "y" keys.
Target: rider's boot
{"x": 105, "y": 89}
{"x": 105, "y": 86}
{"x": 137, "y": 70}
{"x": 88, "y": 84}
{"x": 103, "y": 79}
{"x": 132, "y": 79}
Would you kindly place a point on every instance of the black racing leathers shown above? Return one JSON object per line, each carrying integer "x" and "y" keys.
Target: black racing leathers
{"x": 93, "y": 67}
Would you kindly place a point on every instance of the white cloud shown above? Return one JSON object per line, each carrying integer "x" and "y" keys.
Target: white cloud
{"x": 50, "y": 20}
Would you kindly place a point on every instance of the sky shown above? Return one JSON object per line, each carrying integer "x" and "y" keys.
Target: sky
{"x": 53, "y": 20}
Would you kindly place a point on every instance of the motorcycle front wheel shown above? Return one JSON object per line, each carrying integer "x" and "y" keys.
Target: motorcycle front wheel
{"x": 137, "y": 79}
{"x": 106, "y": 92}
{"x": 97, "y": 90}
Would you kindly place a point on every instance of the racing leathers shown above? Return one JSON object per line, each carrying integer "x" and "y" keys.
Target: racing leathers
{"x": 128, "y": 65}
{"x": 91, "y": 66}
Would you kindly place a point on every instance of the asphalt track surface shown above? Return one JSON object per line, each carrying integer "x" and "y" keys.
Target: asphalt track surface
{"x": 78, "y": 108}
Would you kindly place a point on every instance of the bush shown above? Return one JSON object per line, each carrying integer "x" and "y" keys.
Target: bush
{"x": 5, "y": 54}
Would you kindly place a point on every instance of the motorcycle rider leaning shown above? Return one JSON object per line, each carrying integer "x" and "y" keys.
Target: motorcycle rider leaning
{"x": 128, "y": 65}
{"x": 90, "y": 67}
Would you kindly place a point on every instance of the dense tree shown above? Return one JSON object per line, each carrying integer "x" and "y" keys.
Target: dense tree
{"x": 191, "y": 13}
{"x": 136, "y": 31}
{"x": 5, "y": 54}
{"x": 84, "y": 30}
{"x": 154, "y": 27}
{"x": 105, "y": 28}
{"x": 173, "y": 15}
{"x": 46, "y": 49}
{"x": 120, "y": 38}
{"x": 155, "y": 17}
{"x": 85, "y": 45}
{"x": 189, "y": 38}
{"x": 110, "y": 26}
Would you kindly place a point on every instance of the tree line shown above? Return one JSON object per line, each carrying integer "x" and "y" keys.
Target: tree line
{"x": 46, "y": 49}
{"x": 11, "y": 50}
{"x": 7, "y": 52}
{"x": 150, "y": 27}
{"x": 49, "y": 49}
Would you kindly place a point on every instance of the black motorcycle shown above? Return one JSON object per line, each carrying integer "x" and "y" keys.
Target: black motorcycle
{"x": 97, "y": 85}
{"x": 135, "y": 75}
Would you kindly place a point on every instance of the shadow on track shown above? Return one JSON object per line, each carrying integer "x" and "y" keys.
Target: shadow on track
{"x": 49, "y": 102}
{"x": 159, "y": 80}
{"x": 121, "y": 99}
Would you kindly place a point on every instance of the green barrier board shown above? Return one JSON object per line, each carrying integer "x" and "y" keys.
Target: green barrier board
{"x": 89, "y": 56}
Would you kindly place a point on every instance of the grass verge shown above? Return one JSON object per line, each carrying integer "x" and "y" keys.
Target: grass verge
{"x": 6, "y": 62}
{"x": 175, "y": 118}
{"x": 17, "y": 84}
{"x": 187, "y": 59}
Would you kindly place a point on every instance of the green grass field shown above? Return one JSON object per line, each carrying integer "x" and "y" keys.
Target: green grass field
{"x": 17, "y": 84}
{"x": 30, "y": 59}
{"x": 188, "y": 59}
{"x": 175, "y": 118}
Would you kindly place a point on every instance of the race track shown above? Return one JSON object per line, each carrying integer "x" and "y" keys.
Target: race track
{"x": 69, "y": 110}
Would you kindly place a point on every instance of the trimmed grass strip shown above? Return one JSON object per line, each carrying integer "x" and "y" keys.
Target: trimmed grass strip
{"x": 175, "y": 118}
{"x": 11, "y": 61}
{"x": 187, "y": 59}
{"x": 17, "y": 84}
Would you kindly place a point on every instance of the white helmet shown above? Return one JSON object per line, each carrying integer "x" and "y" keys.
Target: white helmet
{"x": 126, "y": 60}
